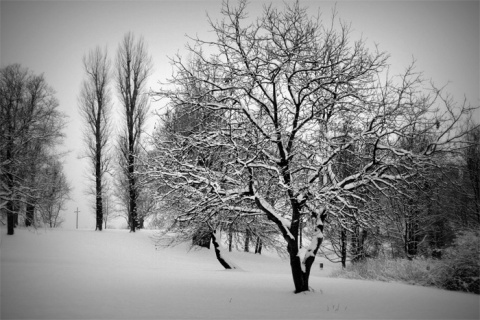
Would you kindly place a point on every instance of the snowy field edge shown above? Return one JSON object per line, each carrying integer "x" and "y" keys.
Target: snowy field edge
{"x": 113, "y": 274}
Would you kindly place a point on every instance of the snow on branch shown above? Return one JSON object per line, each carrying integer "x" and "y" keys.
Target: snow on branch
{"x": 317, "y": 237}
{"x": 282, "y": 223}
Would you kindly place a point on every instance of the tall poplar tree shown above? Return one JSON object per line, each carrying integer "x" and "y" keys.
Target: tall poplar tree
{"x": 133, "y": 67}
{"x": 95, "y": 108}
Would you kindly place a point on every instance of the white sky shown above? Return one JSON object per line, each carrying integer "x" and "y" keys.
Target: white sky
{"x": 52, "y": 36}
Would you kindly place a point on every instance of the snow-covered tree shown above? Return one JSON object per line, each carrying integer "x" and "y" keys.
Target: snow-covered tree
{"x": 284, "y": 87}
{"x": 54, "y": 193}
{"x": 178, "y": 126}
{"x": 472, "y": 165}
{"x": 30, "y": 127}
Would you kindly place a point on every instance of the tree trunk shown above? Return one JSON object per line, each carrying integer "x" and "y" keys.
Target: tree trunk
{"x": 226, "y": 264}
{"x": 301, "y": 233}
{"x": 363, "y": 253}
{"x": 301, "y": 269}
{"x": 30, "y": 215}
{"x": 411, "y": 237}
{"x": 230, "y": 238}
{"x": 10, "y": 218}
{"x": 15, "y": 217}
{"x": 258, "y": 246}
{"x": 99, "y": 213}
{"x": 10, "y": 205}
{"x": 140, "y": 223}
{"x": 300, "y": 279}
{"x": 16, "y": 210}
{"x": 132, "y": 189}
{"x": 247, "y": 240}
{"x": 343, "y": 247}
{"x": 358, "y": 247}
{"x": 98, "y": 185}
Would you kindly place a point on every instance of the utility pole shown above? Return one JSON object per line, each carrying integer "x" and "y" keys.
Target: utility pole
{"x": 77, "y": 216}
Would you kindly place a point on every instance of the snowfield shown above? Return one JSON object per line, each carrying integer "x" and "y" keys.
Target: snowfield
{"x": 114, "y": 274}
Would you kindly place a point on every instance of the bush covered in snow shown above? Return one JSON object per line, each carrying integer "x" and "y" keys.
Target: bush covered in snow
{"x": 458, "y": 269}
{"x": 416, "y": 271}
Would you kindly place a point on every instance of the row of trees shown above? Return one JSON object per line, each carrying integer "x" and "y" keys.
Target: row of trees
{"x": 31, "y": 176}
{"x": 424, "y": 218}
{"x": 288, "y": 129}
{"x": 131, "y": 70}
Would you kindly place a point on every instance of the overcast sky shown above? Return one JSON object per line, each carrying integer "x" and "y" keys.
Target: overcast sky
{"x": 51, "y": 37}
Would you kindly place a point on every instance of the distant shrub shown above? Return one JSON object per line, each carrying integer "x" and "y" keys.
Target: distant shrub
{"x": 458, "y": 269}
{"x": 416, "y": 271}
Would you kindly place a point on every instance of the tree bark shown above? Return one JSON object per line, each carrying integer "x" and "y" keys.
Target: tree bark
{"x": 230, "y": 238}
{"x": 258, "y": 246}
{"x": 132, "y": 192}
{"x": 411, "y": 236}
{"x": 140, "y": 222}
{"x": 98, "y": 176}
{"x": 30, "y": 215}
{"x": 343, "y": 247}
{"x": 10, "y": 206}
{"x": 301, "y": 269}
{"x": 218, "y": 253}
{"x": 10, "y": 218}
{"x": 247, "y": 240}
{"x": 15, "y": 214}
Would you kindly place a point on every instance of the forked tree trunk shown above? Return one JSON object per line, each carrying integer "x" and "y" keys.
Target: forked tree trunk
{"x": 301, "y": 268}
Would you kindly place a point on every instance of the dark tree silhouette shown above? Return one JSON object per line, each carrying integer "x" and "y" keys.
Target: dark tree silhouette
{"x": 133, "y": 66}
{"x": 30, "y": 126}
{"x": 95, "y": 108}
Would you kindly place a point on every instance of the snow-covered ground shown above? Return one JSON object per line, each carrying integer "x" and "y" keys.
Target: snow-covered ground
{"x": 80, "y": 274}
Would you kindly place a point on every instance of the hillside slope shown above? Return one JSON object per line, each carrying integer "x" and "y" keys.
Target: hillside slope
{"x": 113, "y": 274}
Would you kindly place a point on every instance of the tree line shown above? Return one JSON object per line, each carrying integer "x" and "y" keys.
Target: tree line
{"x": 130, "y": 73}
{"x": 34, "y": 186}
{"x": 31, "y": 126}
